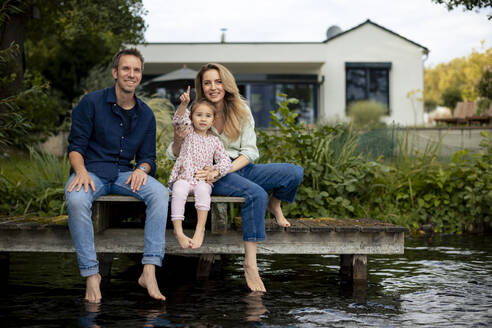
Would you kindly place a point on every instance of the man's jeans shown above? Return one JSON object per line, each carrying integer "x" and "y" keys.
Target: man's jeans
{"x": 79, "y": 204}
{"x": 253, "y": 182}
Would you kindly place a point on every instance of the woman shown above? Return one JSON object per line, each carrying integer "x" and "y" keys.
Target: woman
{"x": 234, "y": 125}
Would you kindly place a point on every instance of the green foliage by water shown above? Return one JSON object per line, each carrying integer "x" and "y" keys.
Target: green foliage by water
{"x": 33, "y": 186}
{"x": 341, "y": 178}
{"x": 409, "y": 188}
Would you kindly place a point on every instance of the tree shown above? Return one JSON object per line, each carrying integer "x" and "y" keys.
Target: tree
{"x": 72, "y": 36}
{"x": 485, "y": 83}
{"x": 451, "y": 97}
{"x": 462, "y": 73}
{"x": 47, "y": 48}
{"x": 467, "y": 4}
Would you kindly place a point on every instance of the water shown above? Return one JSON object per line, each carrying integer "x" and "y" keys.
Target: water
{"x": 443, "y": 282}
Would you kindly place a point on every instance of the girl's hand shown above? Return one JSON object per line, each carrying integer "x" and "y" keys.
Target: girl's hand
{"x": 185, "y": 98}
{"x": 208, "y": 175}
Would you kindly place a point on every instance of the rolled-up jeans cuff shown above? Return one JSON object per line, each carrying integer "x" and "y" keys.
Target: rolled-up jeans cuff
{"x": 89, "y": 271}
{"x": 152, "y": 259}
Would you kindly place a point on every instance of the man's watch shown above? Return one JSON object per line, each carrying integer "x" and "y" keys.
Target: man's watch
{"x": 143, "y": 168}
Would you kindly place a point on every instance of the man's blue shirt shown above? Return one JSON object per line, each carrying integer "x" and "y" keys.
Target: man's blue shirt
{"x": 99, "y": 136}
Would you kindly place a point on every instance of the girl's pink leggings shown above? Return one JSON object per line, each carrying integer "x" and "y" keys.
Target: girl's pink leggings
{"x": 181, "y": 190}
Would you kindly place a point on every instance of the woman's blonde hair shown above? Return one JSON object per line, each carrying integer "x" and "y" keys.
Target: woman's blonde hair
{"x": 235, "y": 109}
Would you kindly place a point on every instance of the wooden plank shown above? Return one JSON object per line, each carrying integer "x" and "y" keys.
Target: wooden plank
{"x": 316, "y": 225}
{"x": 297, "y": 226}
{"x": 57, "y": 239}
{"x": 271, "y": 225}
{"x": 214, "y": 199}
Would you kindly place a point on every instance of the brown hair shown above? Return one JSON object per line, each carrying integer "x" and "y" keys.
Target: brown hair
{"x": 128, "y": 51}
{"x": 201, "y": 101}
{"x": 235, "y": 109}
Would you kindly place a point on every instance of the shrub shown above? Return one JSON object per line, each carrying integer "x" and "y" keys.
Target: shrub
{"x": 429, "y": 105}
{"x": 366, "y": 113}
{"x": 450, "y": 97}
{"x": 485, "y": 83}
{"x": 483, "y": 104}
{"x": 163, "y": 110}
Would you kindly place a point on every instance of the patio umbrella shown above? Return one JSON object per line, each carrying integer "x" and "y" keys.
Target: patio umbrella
{"x": 183, "y": 73}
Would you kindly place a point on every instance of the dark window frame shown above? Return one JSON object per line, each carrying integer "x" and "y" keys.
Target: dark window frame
{"x": 367, "y": 67}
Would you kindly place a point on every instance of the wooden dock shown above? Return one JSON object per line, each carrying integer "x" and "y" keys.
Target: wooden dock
{"x": 352, "y": 239}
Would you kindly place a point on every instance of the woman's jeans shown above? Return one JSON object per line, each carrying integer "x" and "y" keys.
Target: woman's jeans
{"x": 79, "y": 204}
{"x": 253, "y": 182}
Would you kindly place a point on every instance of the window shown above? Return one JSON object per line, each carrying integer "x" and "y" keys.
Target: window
{"x": 261, "y": 92}
{"x": 367, "y": 81}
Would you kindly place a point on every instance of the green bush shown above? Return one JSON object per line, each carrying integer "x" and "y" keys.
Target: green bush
{"x": 409, "y": 188}
{"x": 429, "y": 105}
{"x": 163, "y": 110}
{"x": 40, "y": 188}
{"x": 450, "y": 97}
{"x": 485, "y": 84}
{"x": 366, "y": 113}
{"x": 483, "y": 105}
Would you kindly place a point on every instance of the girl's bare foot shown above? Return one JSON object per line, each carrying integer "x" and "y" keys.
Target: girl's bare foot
{"x": 92, "y": 290}
{"x": 198, "y": 236}
{"x": 147, "y": 280}
{"x": 183, "y": 240}
{"x": 276, "y": 210}
{"x": 253, "y": 279}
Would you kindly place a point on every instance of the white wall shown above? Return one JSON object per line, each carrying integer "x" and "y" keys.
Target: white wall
{"x": 367, "y": 43}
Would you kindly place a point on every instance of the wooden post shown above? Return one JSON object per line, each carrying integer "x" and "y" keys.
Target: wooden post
{"x": 354, "y": 266}
{"x": 100, "y": 216}
{"x": 4, "y": 267}
{"x": 218, "y": 215}
{"x": 359, "y": 264}
{"x": 346, "y": 265}
{"x": 105, "y": 263}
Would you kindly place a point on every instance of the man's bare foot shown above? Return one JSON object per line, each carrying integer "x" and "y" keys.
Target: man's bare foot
{"x": 183, "y": 240}
{"x": 147, "y": 280}
{"x": 253, "y": 279}
{"x": 198, "y": 236}
{"x": 92, "y": 290}
{"x": 276, "y": 210}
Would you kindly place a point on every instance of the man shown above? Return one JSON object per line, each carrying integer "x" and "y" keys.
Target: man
{"x": 110, "y": 128}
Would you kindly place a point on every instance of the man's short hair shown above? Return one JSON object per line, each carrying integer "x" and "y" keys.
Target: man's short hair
{"x": 127, "y": 51}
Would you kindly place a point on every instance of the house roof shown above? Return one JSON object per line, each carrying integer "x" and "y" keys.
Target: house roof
{"x": 368, "y": 21}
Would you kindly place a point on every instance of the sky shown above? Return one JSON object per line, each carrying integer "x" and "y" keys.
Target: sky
{"x": 447, "y": 34}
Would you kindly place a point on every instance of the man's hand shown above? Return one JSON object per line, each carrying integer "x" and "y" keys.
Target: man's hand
{"x": 137, "y": 179}
{"x": 82, "y": 179}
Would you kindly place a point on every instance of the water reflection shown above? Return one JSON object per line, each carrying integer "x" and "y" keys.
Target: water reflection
{"x": 444, "y": 282}
{"x": 254, "y": 306}
{"x": 88, "y": 318}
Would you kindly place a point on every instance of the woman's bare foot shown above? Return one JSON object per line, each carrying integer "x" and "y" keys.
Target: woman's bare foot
{"x": 198, "y": 237}
{"x": 183, "y": 240}
{"x": 253, "y": 279}
{"x": 276, "y": 210}
{"x": 147, "y": 280}
{"x": 92, "y": 290}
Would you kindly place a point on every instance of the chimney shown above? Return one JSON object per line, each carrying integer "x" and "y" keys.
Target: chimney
{"x": 223, "y": 35}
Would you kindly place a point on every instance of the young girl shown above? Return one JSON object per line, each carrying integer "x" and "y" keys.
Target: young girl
{"x": 200, "y": 149}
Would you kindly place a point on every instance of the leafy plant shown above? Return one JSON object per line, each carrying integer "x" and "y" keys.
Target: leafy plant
{"x": 366, "y": 113}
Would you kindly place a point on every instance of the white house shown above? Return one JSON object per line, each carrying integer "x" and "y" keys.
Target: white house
{"x": 365, "y": 62}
